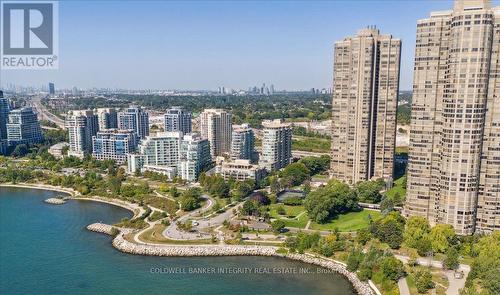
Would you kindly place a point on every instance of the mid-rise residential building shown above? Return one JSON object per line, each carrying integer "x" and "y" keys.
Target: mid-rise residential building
{"x": 276, "y": 144}
{"x": 4, "y": 115}
{"x": 454, "y": 152}
{"x": 23, "y": 127}
{"x": 216, "y": 126}
{"x": 82, "y": 126}
{"x": 178, "y": 119}
{"x": 113, "y": 144}
{"x": 159, "y": 150}
{"x": 134, "y": 118}
{"x": 364, "y": 103}
{"x": 107, "y": 118}
{"x": 242, "y": 170}
{"x": 171, "y": 153}
{"x": 243, "y": 143}
{"x": 195, "y": 156}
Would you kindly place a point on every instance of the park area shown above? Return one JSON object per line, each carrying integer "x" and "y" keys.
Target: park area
{"x": 296, "y": 216}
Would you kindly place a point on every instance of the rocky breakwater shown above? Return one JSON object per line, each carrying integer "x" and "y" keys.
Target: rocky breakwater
{"x": 238, "y": 250}
{"x": 101, "y": 228}
{"x": 55, "y": 201}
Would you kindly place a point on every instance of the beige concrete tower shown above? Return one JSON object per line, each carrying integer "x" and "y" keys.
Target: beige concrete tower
{"x": 365, "y": 92}
{"x": 454, "y": 136}
{"x": 216, "y": 126}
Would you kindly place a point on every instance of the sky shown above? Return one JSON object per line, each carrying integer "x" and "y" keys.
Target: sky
{"x": 207, "y": 44}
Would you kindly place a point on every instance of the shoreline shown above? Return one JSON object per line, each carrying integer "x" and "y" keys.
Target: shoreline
{"x": 218, "y": 250}
{"x": 74, "y": 195}
{"x": 122, "y": 245}
{"x": 125, "y": 246}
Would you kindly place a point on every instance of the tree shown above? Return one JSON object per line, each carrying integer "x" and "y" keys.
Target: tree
{"x": 442, "y": 236}
{"x": 261, "y": 198}
{"x": 114, "y": 184}
{"x": 392, "y": 268}
{"x": 20, "y": 150}
{"x": 363, "y": 236}
{"x": 174, "y": 192}
{"x": 249, "y": 208}
{"x": 354, "y": 259}
{"x": 243, "y": 188}
{"x": 423, "y": 246}
{"x": 423, "y": 280}
{"x": 386, "y": 205}
{"x": 215, "y": 185}
{"x": 316, "y": 164}
{"x": 278, "y": 225}
{"x": 451, "y": 260}
{"x": 328, "y": 244}
{"x": 190, "y": 199}
{"x": 274, "y": 184}
{"x": 333, "y": 199}
{"x": 389, "y": 229}
{"x": 485, "y": 268}
{"x": 307, "y": 187}
{"x": 369, "y": 191}
{"x": 417, "y": 228}
{"x": 296, "y": 173}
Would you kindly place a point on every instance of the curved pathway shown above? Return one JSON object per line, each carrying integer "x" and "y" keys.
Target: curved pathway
{"x": 175, "y": 233}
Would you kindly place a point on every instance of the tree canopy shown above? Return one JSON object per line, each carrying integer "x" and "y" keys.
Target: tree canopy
{"x": 329, "y": 201}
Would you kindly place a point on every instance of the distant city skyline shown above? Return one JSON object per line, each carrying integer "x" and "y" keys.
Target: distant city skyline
{"x": 206, "y": 45}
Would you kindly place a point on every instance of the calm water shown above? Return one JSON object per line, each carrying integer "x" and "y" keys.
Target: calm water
{"x": 45, "y": 249}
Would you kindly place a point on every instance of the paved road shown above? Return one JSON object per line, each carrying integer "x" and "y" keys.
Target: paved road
{"x": 403, "y": 287}
{"x": 219, "y": 219}
{"x": 173, "y": 232}
{"x": 44, "y": 114}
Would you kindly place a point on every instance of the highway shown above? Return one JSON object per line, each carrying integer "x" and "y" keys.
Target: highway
{"x": 44, "y": 114}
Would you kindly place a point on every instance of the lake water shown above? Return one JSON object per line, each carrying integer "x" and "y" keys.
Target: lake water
{"x": 45, "y": 249}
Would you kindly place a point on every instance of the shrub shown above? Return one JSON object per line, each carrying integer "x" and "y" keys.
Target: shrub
{"x": 114, "y": 231}
{"x": 423, "y": 280}
{"x": 293, "y": 201}
{"x": 281, "y": 210}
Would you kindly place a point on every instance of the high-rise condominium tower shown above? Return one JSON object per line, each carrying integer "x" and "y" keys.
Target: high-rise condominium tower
{"x": 108, "y": 118}
{"x": 23, "y": 127}
{"x": 454, "y": 160}
{"x": 81, "y": 125}
{"x": 276, "y": 144}
{"x": 178, "y": 119}
{"x": 216, "y": 126}
{"x": 243, "y": 142}
{"x": 4, "y": 115}
{"x": 365, "y": 93}
{"x": 134, "y": 118}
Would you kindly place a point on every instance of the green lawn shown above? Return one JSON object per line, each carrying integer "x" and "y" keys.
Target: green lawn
{"x": 397, "y": 188}
{"x": 291, "y": 211}
{"x": 320, "y": 177}
{"x": 311, "y": 144}
{"x": 348, "y": 222}
{"x": 291, "y": 214}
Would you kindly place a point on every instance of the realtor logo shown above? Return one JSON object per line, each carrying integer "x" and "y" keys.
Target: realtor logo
{"x": 29, "y": 35}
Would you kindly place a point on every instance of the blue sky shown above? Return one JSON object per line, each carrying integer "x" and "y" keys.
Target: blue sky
{"x": 206, "y": 44}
